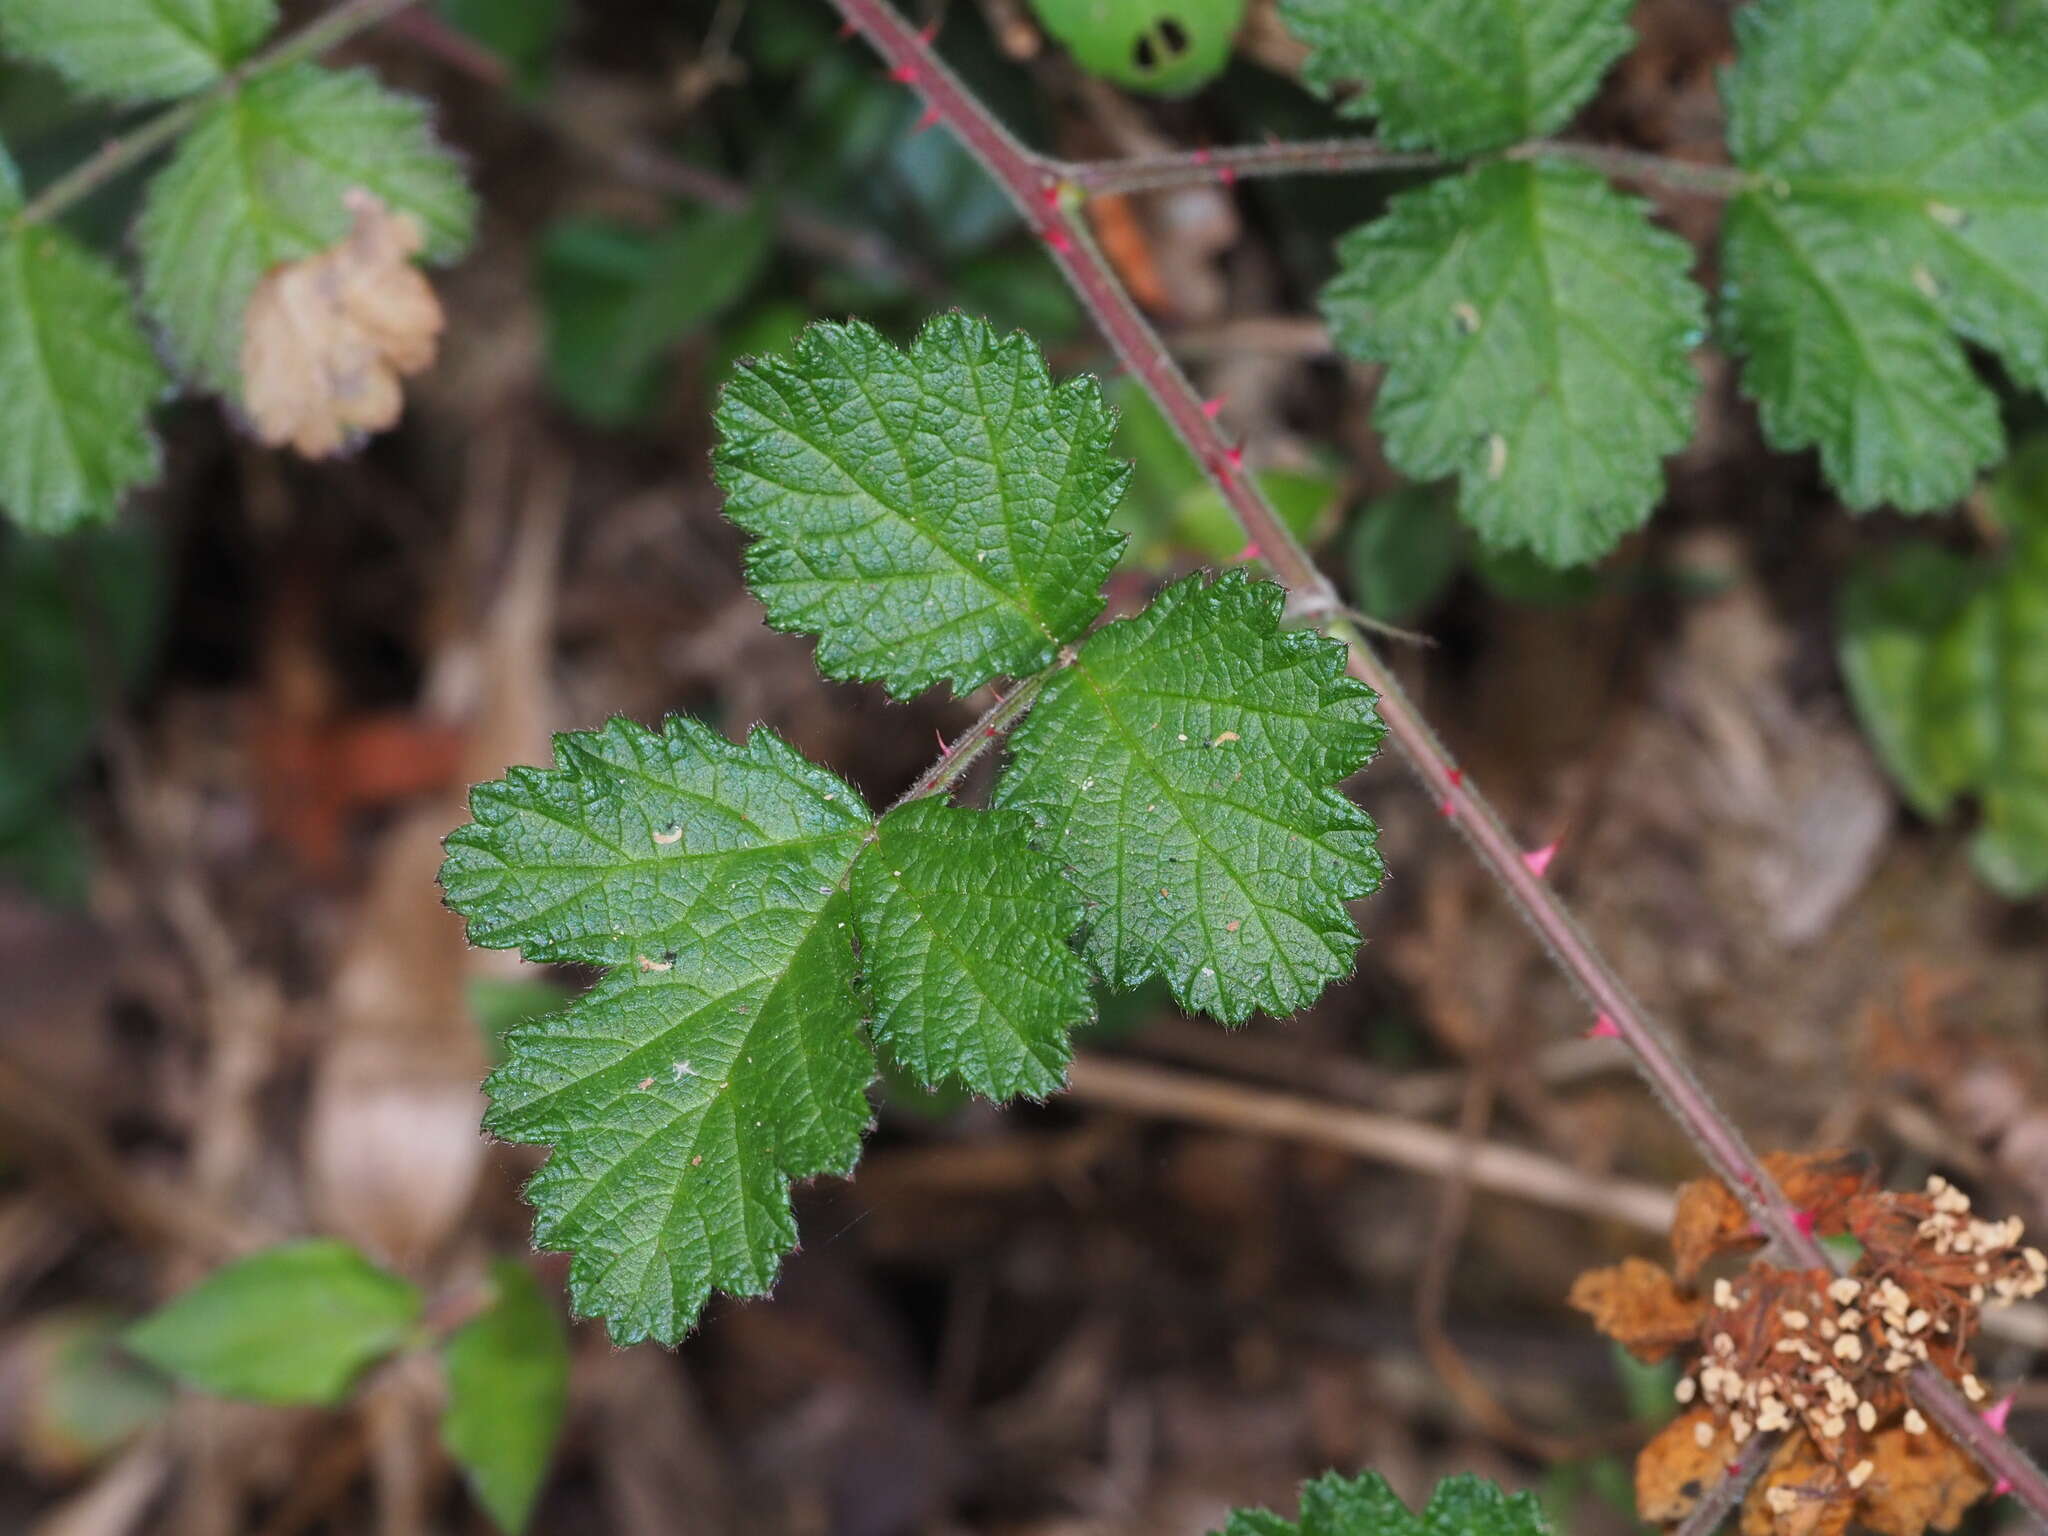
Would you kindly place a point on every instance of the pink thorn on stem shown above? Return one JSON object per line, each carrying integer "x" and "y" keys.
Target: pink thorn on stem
{"x": 929, "y": 32}
{"x": 1997, "y": 1414}
{"x": 1447, "y": 808}
{"x": 1201, "y": 157}
{"x": 1059, "y": 239}
{"x": 1049, "y": 194}
{"x": 2002, "y": 1486}
{"x": 1250, "y": 552}
{"x": 944, "y": 750}
{"x": 1213, "y": 407}
{"x": 1227, "y": 175}
{"x": 1537, "y": 860}
{"x": 1456, "y": 776}
{"x": 1234, "y": 457}
{"x": 927, "y": 122}
{"x": 904, "y": 74}
{"x": 1603, "y": 1029}
{"x": 1804, "y": 1221}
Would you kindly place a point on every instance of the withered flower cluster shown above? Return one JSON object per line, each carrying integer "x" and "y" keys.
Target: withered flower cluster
{"x": 1817, "y": 1357}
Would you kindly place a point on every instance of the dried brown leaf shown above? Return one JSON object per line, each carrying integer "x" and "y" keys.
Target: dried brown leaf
{"x": 1674, "y": 1471}
{"x": 327, "y": 339}
{"x": 1921, "y": 1482}
{"x": 1639, "y": 1306}
{"x": 1710, "y": 1220}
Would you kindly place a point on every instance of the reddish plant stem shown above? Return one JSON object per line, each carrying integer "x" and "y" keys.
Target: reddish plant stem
{"x": 1330, "y": 157}
{"x": 1037, "y": 186}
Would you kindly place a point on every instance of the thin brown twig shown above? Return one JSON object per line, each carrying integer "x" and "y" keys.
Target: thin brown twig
{"x": 1137, "y": 1087}
{"x": 1036, "y": 187}
{"x": 1353, "y": 155}
{"x": 1433, "y": 1282}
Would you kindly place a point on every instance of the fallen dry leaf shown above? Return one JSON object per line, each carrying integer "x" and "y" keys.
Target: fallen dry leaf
{"x": 1710, "y": 1220}
{"x": 326, "y": 340}
{"x": 1921, "y": 1482}
{"x": 1639, "y": 1306}
{"x": 1674, "y": 1471}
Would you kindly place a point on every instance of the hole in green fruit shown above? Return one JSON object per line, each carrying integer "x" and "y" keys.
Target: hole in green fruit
{"x": 1160, "y": 44}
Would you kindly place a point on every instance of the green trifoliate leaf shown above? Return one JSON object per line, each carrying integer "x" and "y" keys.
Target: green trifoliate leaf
{"x": 936, "y": 514}
{"x": 963, "y": 931}
{"x": 1460, "y": 75}
{"x": 722, "y": 1057}
{"x": 1167, "y": 46}
{"x": 261, "y": 180}
{"x": 1535, "y": 326}
{"x": 508, "y": 1389}
{"x": 1901, "y": 149}
{"x": 137, "y": 50}
{"x": 292, "y": 1324}
{"x": 1365, "y": 1506}
{"x": 77, "y": 381}
{"x": 1183, "y": 772}
{"x": 1947, "y": 662}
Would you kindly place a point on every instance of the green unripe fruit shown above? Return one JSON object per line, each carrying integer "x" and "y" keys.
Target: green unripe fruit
{"x": 1167, "y": 46}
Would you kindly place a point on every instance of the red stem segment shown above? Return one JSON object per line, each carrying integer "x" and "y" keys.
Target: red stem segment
{"x": 1049, "y": 200}
{"x": 1331, "y": 157}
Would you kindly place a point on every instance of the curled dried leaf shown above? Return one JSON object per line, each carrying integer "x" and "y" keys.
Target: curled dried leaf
{"x": 1709, "y": 1219}
{"x": 1918, "y": 1483}
{"x": 326, "y": 340}
{"x": 1684, "y": 1460}
{"x": 1639, "y": 1306}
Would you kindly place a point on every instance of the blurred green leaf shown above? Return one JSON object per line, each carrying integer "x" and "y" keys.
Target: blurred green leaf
{"x": 618, "y": 298}
{"x": 49, "y": 695}
{"x": 500, "y": 1004}
{"x": 293, "y": 1324}
{"x": 1521, "y": 577}
{"x": 763, "y": 330}
{"x": 1646, "y": 1387}
{"x": 1405, "y": 549}
{"x": 137, "y": 50}
{"x": 80, "y": 381}
{"x": 80, "y": 1398}
{"x": 1172, "y": 509}
{"x": 508, "y": 1390}
{"x": 523, "y": 33}
{"x": 1946, "y": 659}
{"x": 1019, "y": 290}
